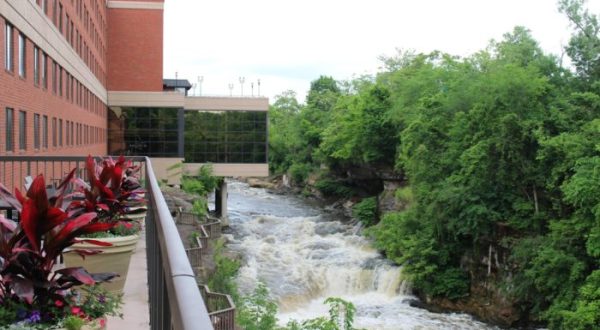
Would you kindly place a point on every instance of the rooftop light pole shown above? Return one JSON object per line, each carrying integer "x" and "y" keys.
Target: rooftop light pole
{"x": 230, "y": 89}
{"x": 175, "y": 81}
{"x": 252, "y": 87}
{"x": 200, "y": 80}
{"x": 258, "y": 94}
{"x": 242, "y": 80}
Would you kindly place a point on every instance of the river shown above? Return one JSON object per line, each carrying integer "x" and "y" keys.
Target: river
{"x": 304, "y": 254}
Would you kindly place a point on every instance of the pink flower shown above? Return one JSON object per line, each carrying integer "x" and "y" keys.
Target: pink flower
{"x": 75, "y": 310}
{"x": 102, "y": 323}
{"x": 59, "y": 303}
{"x": 128, "y": 225}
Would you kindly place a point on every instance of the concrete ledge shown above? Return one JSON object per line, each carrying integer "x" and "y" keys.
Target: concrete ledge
{"x": 231, "y": 170}
{"x": 226, "y": 103}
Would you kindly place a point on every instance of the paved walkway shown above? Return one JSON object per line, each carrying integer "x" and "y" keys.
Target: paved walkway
{"x": 135, "y": 294}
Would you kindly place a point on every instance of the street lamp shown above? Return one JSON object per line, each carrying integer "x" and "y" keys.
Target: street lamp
{"x": 258, "y": 87}
{"x": 230, "y": 89}
{"x": 200, "y": 80}
{"x": 242, "y": 80}
{"x": 252, "y": 87}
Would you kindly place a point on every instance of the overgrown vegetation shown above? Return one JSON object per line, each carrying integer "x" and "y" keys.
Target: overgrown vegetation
{"x": 200, "y": 185}
{"x": 500, "y": 148}
{"x": 366, "y": 210}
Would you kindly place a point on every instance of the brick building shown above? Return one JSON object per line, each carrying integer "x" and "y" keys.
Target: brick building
{"x": 85, "y": 77}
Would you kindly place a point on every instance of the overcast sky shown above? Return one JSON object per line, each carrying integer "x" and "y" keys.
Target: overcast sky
{"x": 288, "y": 43}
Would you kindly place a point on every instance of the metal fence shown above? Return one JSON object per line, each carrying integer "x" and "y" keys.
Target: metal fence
{"x": 175, "y": 299}
{"x": 221, "y": 308}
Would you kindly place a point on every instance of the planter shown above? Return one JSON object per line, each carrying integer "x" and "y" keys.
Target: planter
{"x": 113, "y": 258}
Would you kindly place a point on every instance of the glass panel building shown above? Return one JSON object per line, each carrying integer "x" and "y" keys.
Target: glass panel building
{"x": 225, "y": 137}
{"x": 197, "y": 136}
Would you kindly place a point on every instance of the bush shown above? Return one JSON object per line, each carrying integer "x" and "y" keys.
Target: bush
{"x": 226, "y": 269}
{"x": 404, "y": 195}
{"x": 330, "y": 187}
{"x": 366, "y": 211}
{"x": 257, "y": 311}
{"x": 299, "y": 172}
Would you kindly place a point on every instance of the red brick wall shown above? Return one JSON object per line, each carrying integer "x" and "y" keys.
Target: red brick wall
{"x": 22, "y": 94}
{"x": 135, "y": 49}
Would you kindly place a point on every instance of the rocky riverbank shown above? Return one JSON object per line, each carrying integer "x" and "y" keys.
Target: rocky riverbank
{"x": 486, "y": 300}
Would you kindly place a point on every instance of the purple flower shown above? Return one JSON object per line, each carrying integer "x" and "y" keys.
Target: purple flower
{"x": 101, "y": 299}
{"x": 34, "y": 317}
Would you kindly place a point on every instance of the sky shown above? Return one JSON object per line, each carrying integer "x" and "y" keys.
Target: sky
{"x": 288, "y": 43}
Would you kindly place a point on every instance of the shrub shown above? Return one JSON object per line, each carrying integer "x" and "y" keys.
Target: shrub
{"x": 299, "y": 172}
{"x": 366, "y": 211}
{"x": 330, "y": 187}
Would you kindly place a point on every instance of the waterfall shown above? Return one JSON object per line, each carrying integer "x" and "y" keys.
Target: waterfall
{"x": 304, "y": 254}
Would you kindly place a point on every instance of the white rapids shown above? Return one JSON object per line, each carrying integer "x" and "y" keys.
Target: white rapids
{"x": 304, "y": 255}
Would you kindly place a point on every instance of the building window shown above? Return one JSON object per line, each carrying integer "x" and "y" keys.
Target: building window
{"x": 21, "y": 55}
{"x": 67, "y": 26}
{"x": 54, "y": 132}
{"x": 60, "y": 132}
{"x": 60, "y": 18}
{"x": 8, "y": 47}
{"x": 54, "y": 76}
{"x": 22, "y": 130}
{"x": 60, "y": 80}
{"x": 36, "y": 131}
{"x": 72, "y": 135}
{"x": 45, "y": 131}
{"x": 36, "y": 65}
{"x": 54, "y": 11}
{"x": 68, "y": 133}
{"x": 44, "y": 67}
{"x": 45, "y": 6}
{"x": 10, "y": 129}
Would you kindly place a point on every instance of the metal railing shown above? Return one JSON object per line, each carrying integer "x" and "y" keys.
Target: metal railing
{"x": 221, "y": 308}
{"x": 175, "y": 300}
{"x": 194, "y": 254}
{"x": 210, "y": 225}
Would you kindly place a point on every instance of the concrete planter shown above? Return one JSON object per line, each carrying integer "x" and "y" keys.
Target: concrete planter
{"x": 113, "y": 258}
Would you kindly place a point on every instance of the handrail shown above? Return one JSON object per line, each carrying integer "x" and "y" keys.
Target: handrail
{"x": 184, "y": 300}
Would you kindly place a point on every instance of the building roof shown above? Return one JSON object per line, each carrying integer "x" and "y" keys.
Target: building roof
{"x": 176, "y": 83}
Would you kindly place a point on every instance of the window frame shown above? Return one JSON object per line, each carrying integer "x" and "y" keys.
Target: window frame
{"x": 45, "y": 132}
{"x": 22, "y": 130}
{"x": 22, "y": 55}
{"x": 8, "y": 47}
{"x": 10, "y": 129}
{"x": 36, "y": 131}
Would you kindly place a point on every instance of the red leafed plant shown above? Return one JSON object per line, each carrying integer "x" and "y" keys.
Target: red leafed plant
{"x": 113, "y": 191}
{"x": 29, "y": 250}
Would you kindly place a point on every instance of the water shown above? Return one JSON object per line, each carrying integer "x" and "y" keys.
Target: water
{"x": 304, "y": 255}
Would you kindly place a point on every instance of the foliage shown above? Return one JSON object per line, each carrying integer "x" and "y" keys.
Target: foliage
{"x": 200, "y": 185}
{"x": 200, "y": 207}
{"x": 114, "y": 193}
{"x": 404, "y": 195}
{"x": 341, "y": 317}
{"x": 31, "y": 291}
{"x": 499, "y": 148}
{"x": 257, "y": 311}
{"x": 332, "y": 187}
{"x": 299, "y": 172}
{"x": 366, "y": 210}
{"x": 223, "y": 279}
